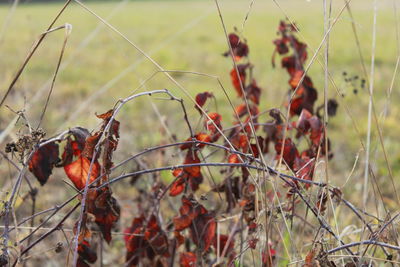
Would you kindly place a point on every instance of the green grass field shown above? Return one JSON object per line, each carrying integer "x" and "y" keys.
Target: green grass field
{"x": 100, "y": 67}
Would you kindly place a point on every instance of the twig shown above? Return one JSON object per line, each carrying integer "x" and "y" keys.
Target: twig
{"x": 55, "y": 228}
{"x": 34, "y": 48}
{"x": 365, "y": 242}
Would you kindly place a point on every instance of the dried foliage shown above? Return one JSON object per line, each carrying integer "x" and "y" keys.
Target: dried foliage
{"x": 193, "y": 232}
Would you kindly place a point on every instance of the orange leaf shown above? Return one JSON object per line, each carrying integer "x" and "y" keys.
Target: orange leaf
{"x": 238, "y": 80}
{"x": 78, "y": 171}
{"x": 234, "y": 158}
{"x": 177, "y": 187}
{"x": 202, "y": 137}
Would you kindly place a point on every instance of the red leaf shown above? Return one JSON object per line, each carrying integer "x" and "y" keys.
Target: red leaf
{"x": 253, "y": 243}
{"x": 177, "y": 187}
{"x": 307, "y": 123}
{"x": 202, "y": 224}
{"x": 86, "y": 254}
{"x": 296, "y": 106}
{"x": 296, "y": 77}
{"x": 303, "y": 124}
{"x": 233, "y": 158}
{"x": 268, "y": 256}
{"x": 203, "y": 230}
{"x": 290, "y": 153}
{"x": 192, "y": 158}
{"x": 106, "y": 116}
{"x": 242, "y": 110}
{"x": 187, "y": 259}
{"x": 239, "y": 48}
{"x": 43, "y": 162}
{"x": 213, "y": 124}
{"x": 114, "y": 129}
{"x": 191, "y": 174}
{"x": 289, "y": 63}
{"x": 233, "y": 39}
{"x": 201, "y": 99}
{"x": 156, "y": 238}
{"x": 304, "y": 168}
{"x": 145, "y": 239}
{"x": 281, "y": 46}
{"x": 253, "y": 92}
{"x": 238, "y": 80}
{"x": 188, "y": 213}
{"x": 223, "y": 242}
{"x": 202, "y": 137}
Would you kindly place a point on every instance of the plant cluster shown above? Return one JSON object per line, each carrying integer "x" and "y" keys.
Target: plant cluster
{"x": 245, "y": 188}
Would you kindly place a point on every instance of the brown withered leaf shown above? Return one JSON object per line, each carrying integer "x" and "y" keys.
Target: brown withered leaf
{"x": 105, "y": 209}
{"x": 201, "y": 99}
{"x": 187, "y": 175}
{"x": 90, "y": 145}
{"x": 290, "y": 152}
{"x": 213, "y": 124}
{"x": 253, "y": 92}
{"x": 145, "y": 240}
{"x": 86, "y": 253}
{"x": 239, "y": 47}
{"x": 201, "y": 223}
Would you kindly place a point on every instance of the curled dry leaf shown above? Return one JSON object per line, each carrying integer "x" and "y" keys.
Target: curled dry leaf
{"x": 86, "y": 253}
{"x": 144, "y": 240}
{"x": 201, "y": 223}
{"x": 213, "y": 124}
{"x": 289, "y": 153}
{"x": 201, "y": 99}
{"x": 43, "y": 162}
{"x": 191, "y": 175}
{"x": 253, "y": 92}
{"x": 239, "y": 47}
{"x": 105, "y": 209}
